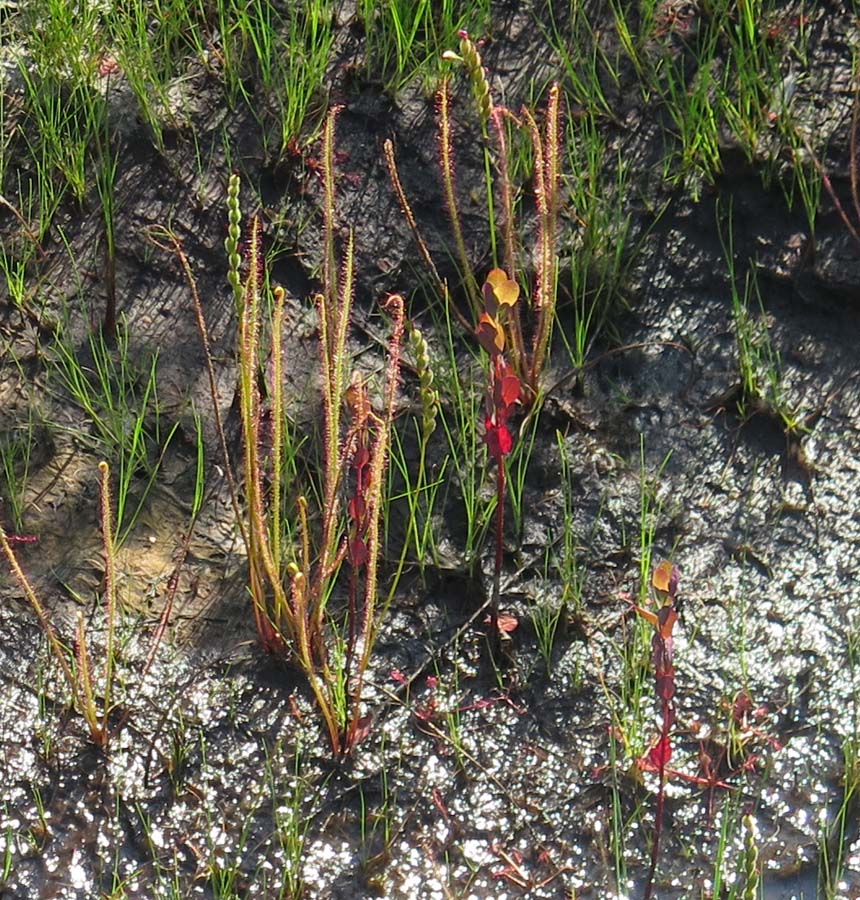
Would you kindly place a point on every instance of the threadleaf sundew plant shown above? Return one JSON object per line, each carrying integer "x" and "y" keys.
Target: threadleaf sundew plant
{"x": 93, "y": 693}
{"x": 294, "y": 557}
{"x": 292, "y": 586}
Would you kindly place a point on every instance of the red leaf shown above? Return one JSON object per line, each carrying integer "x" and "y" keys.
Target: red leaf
{"x": 663, "y": 649}
{"x": 510, "y": 390}
{"x": 498, "y": 440}
{"x": 358, "y": 554}
{"x": 426, "y": 711}
{"x": 361, "y": 457}
{"x": 742, "y": 707}
{"x": 661, "y": 752}
{"x": 506, "y": 442}
{"x": 357, "y": 508}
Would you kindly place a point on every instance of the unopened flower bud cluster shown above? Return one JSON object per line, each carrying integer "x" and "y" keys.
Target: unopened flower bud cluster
{"x": 429, "y": 395}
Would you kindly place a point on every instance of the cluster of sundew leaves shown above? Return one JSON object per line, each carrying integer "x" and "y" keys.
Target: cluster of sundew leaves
{"x": 499, "y": 293}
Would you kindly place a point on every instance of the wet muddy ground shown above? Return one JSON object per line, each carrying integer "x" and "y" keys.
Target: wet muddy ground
{"x": 471, "y": 782}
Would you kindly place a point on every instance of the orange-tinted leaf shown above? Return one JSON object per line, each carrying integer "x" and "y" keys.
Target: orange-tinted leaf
{"x": 507, "y": 624}
{"x": 666, "y": 619}
{"x": 665, "y": 578}
{"x": 490, "y": 334}
{"x": 503, "y": 291}
{"x": 646, "y": 614}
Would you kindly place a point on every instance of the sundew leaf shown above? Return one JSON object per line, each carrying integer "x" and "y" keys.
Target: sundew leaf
{"x": 499, "y": 290}
{"x": 357, "y": 508}
{"x": 666, "y": 619}
{"x": 358, "y": 552}
{"x": 510, "y": 390}
{"x": 666, "y": 577}
{"x": 498, "y": 439}
{"x": 646, "y": 614}
{"x": 490, "y": 334}
{"x": 661, "y": 752}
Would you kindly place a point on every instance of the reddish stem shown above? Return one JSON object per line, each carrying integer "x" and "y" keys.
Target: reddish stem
{"x": 500, "y": 525}
{"x": 665, "y": 583}
{"x": 661, "y": 798}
